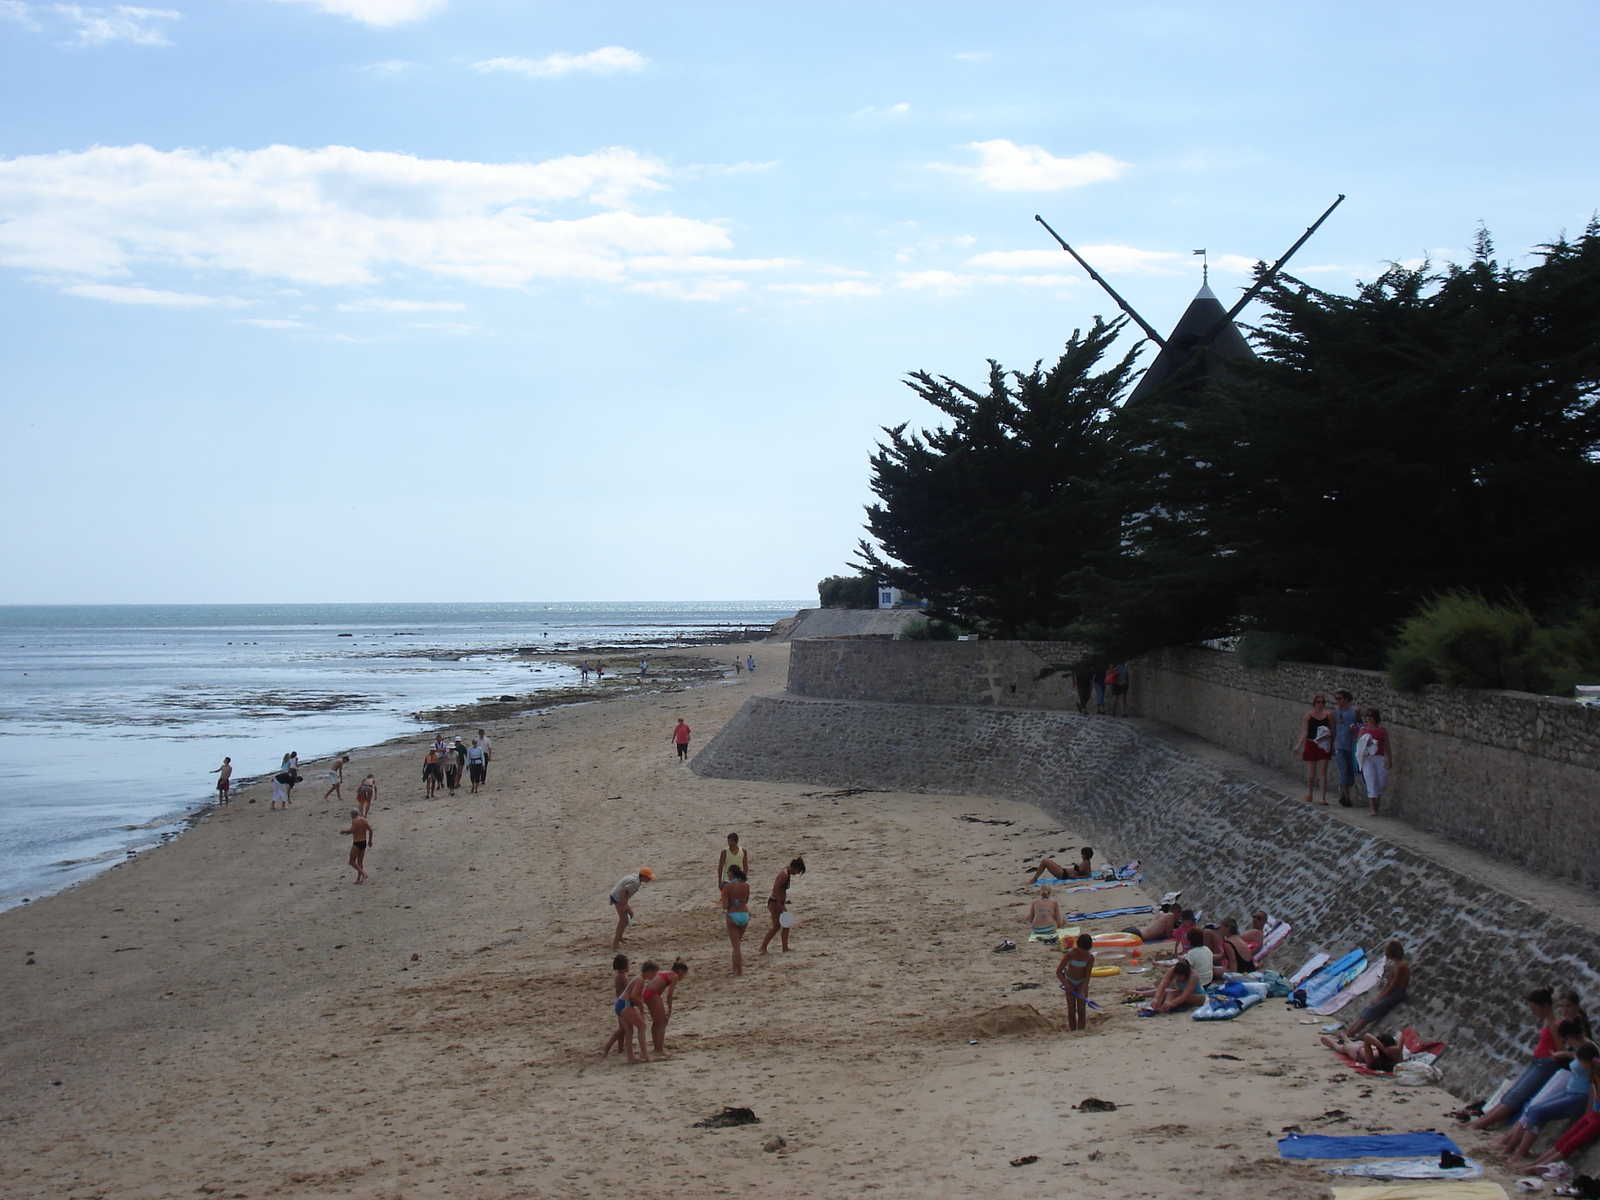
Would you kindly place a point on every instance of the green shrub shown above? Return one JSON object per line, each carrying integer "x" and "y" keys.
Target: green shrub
{"x": 920, "y": 629}
{"x": 1462, "y": 640}
{"x": 1264, "y": 651}
{"x": 848, "y": 591}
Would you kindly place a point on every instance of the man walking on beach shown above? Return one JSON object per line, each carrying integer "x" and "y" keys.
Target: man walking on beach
{"x": 224, "y": 775}
{"x": 360, "y": 832}
{"x": 680, "y": 738}
{"x": 475, "y": 761}
{"x": 488, "y": 755}
{"x": 1346, "y": 720}
{"x": 336, "y": 778}
{"x": 750, "y": 663}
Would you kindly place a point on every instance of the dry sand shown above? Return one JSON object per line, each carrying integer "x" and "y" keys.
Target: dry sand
{"x": 229, "y": 1016}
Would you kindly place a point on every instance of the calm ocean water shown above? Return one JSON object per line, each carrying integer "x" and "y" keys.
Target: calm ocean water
{"x": 111, "y": 716}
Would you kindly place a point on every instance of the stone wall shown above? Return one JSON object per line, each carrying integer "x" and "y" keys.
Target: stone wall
{"x": 1513, "y": 775}
{"x": 1230, "y": 843}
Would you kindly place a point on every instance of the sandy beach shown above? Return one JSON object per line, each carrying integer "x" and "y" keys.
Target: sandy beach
{"x": 228, "y": 1015}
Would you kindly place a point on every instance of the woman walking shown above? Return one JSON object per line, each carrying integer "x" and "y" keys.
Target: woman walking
{"x": 778, "y": 903}
{"x": 1373, "y": 757}
{"x": 1316, "y": 745}
{"x": 736, "y": 909}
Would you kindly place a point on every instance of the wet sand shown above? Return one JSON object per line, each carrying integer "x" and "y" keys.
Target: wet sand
{"x": 228, "y": 1015}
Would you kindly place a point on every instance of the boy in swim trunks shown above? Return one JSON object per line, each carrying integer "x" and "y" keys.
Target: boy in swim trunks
{"x": 360, "y": 832}
{"x": 224, "y": 775}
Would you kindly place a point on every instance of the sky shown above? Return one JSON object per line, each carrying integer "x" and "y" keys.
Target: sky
{"x": 411, "y": 300}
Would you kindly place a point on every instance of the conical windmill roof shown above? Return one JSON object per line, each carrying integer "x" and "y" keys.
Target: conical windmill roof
{"x": 1183, "y": 349}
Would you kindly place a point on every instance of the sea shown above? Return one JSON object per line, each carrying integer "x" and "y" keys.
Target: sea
{"x": 112, "y": 717}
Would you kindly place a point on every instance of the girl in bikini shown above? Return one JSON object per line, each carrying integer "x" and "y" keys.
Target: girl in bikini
{"x": 1044, "y": 914}
{"x": 656, "y": 991}
{"x": 778, "y": 902}
{"x": 1316, "y": 745}
{"x": 630, "y": 1009}
{"x": 1073, "y": 972}
{"x": 366, "y": 793}
{"x": 736, "y": 907}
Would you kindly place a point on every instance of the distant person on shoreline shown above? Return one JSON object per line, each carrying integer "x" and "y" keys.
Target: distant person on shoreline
{"x": 432, "y": 770}
{"x": 1316, "y": 745}
{"x": 738, "y": 667}
{"x": 366, "y": 793}
{"x": 583, "y": 669}
{"x": 488, "y": 753}
{"x": 224, "y": 775}
{"x": 736, "y": 906}
{"x": 778, "y": 903}
{"x": 599, "y": 672}
{"x": 336, "y": 778}
{"x": 360, "y": 832}
{"x": 680, "y": 738}
{"x": 644, "y": 668}
{"x": 750, "y": 663}
{"x": 282, "y": 782}
{"x": 294, "y": 770}
{"x": 475, "y": 765}
{"x": 621, "y": 898}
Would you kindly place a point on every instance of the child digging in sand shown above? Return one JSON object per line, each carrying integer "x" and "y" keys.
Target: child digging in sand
{"x": 1074, "y": 972}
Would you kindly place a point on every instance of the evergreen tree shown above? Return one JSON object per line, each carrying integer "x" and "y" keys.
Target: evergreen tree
{"x": 1432, "y": 433}
{"x": 987, "y": 516}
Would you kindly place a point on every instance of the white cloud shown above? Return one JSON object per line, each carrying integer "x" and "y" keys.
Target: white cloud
{"x": 705, "y": 263}
{"x": 393, "y": 66}
{"x": 1234, "y": 264}
{"x": 397, "y": 306}
{"x": 1007, "y": 167}
{"x": 901, "y": 108}
{"x": 704, "y": 289}
{"x": 940, "y": 283}
{"x": 605, "y": 61}
{"x": 118, "y": 294}
{"x": 338, "y": 216}
{"x": 843, "y": 287}
{"x": 16, "y": 10}
{"x": 125, "y": 23}
{"x": 1109, "y": 258}
{"x": 976, "y": 54}
{"x": 382, "y": 13}
{"x": 272, "y": 323}
{"x": 894, "y": 110}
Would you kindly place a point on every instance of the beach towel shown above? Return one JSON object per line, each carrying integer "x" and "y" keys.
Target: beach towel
{"x": 1359, "y": 986}
{"x": 1082, "y": 887}
{"x": 1277, "y": 931}
{"x": 1312, "y": 965}
{"x": 1369, "y": 1145}
{"x": 1054, "y": 935}
{"x": 1407, "y": 1168}
{"x": 1129, "y": 870}
{"x": 1112, "y": 912}
{"x": 1322, "y": 986}
{"x": 1225, "y": 1008}
{"x": 1466, "y": 1189}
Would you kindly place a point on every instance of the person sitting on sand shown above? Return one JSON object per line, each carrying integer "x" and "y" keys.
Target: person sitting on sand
{"x": 1398, "y": 976}
{"x": 1199, "y": 959}
{"x": 1571, "y": 1103}
{"x": 778, "y": 902}
{"x": 1257, "y": 933}
{"x": 1534, "y": 1076}
{"x": 657, "y": 994}
{"x": 1082, "y": 869}
{"x": 1074, "y": 971}
{"x": 1044, "y": 914}
{"x": 1236, "y": 952}
{"x": 736, "y": 909}
{"x": 1182, "y": 991}
{"x": 621, "y": 895}
{"x": 1583, "y": 1131}
{"x": 1374, "y": 1051}
{"x": 360, "y": 832}
{"x": 366, "y": 793}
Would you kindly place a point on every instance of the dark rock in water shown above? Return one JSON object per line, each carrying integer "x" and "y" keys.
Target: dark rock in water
{"x": 1093, "y": 1105}
{"x": 728, "y": 1118}
{"x": 507, "y": 698}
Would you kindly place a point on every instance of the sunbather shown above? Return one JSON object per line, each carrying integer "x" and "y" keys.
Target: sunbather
{"x": 1082, "y": 869}
{"x": 1375, "y": 1051}
{"x": 1160, "y": 929}
{"x": 1044, "y": 914}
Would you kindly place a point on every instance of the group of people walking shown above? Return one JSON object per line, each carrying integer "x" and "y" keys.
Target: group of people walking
{"x": 445, "y": 762}
{"x": 1102, "y": 681}
{"x": 652, "y": 990}
{"x": 1353, "y": 737}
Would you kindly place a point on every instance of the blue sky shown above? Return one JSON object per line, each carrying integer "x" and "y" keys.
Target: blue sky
{"x": 320, "y": 300}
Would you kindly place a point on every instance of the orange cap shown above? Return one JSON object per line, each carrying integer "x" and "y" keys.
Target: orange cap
{"x": 646, "y": 873}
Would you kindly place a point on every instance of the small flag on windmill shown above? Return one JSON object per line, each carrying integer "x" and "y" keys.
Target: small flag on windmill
{"x": 1205, "y": 266}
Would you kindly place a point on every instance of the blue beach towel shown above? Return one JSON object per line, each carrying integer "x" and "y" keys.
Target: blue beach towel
{"x": 1326, "y": 983}
{"x": 1112, "y": 912}
{"x": 1379, "y": 1145}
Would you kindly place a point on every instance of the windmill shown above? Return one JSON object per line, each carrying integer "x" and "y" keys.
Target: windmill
{"x": 1205, "y": 338}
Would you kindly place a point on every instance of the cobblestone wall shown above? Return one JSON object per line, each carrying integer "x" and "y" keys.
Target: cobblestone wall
{"x": 1513, "y": 775}
{"x": 1228, "y": 842}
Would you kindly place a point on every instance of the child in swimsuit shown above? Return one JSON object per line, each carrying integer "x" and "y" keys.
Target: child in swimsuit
{"x": 620, "y": 981}
{"x": 630, "y": 1010}
{"x": 735, "y": 903}
{"x": 1073, "y": 971}
{"x": 1044, "y": 914}
{"x": 657, "y": 992}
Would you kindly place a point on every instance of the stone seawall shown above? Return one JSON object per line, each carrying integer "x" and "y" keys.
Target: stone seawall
{"x": 1513, "y": 775}
{"x": 1228, "y": 842}
{"x": 1508, "y": 773}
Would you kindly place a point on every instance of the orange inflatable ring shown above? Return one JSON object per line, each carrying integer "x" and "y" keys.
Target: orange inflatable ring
{"x": 1118, "y": 939}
